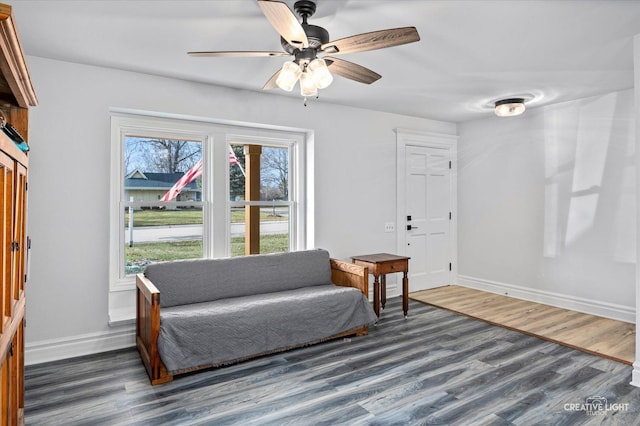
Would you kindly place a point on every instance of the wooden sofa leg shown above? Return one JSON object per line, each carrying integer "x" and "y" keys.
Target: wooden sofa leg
{"x": 162, "y": 379}
{"x": 159, "y": 374}
{"x": 156, "y": 370}
{"x": 363, "y": 332}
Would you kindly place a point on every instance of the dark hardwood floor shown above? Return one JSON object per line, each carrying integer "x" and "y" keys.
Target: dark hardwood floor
{"x": 436, "y": 367}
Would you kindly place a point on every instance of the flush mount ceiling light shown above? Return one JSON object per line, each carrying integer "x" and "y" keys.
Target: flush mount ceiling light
{"x": 509, "y": 107}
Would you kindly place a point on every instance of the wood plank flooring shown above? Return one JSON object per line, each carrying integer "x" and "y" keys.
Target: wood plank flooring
{"x": 436, "y": 367}
{"x": 600, "y": 336}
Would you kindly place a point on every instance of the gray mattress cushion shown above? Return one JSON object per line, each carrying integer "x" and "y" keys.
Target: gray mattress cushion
{"x": 203, "y": 280}
{"x": 222, "y": 331}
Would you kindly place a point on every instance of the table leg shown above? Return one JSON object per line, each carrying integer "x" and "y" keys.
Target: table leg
{"x": 405, "y": 293}
{"x": 383, "y": 290}
{"x": 376, "y": 295}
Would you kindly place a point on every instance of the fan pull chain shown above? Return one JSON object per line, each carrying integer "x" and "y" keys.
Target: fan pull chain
{"x": 305, "y": 99}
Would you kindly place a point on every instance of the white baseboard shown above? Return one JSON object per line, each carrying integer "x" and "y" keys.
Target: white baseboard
{"x": 588, "y": 306}
{"x": 85, "y": 344}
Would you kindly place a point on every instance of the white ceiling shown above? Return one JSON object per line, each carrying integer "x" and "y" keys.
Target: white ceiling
{"x": 470, "y": 53}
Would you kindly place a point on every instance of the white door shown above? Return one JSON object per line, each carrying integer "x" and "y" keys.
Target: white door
{"x": 428, "y": 210}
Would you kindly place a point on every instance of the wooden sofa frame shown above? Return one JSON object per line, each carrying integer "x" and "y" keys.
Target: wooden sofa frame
{"x": 148, "y": 319}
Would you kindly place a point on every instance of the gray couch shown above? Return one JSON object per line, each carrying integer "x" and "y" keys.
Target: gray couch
{"x": 210, "y": 312}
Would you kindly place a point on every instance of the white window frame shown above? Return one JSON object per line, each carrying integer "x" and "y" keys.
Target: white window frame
{"x": 216, "y": 137}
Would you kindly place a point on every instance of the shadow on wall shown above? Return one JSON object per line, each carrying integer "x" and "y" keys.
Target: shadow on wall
{"x": 590, "y": 178}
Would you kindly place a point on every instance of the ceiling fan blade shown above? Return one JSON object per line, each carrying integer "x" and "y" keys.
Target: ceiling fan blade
{"x": 271, "y": 83}
{"x": 285, "y": 22}
{"x": 351, "y": 71}
{"x": 371, "y": 41}
{"x": 236, "y": 54}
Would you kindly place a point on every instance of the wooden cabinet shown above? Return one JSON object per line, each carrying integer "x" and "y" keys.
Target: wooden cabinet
{"x": 16, "y": 96}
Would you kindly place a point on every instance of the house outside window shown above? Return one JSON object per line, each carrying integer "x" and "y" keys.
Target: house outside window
{"x": 184, "y": 189}
{"x": 153, "y": 186}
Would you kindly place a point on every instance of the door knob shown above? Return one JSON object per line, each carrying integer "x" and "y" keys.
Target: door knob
{"x": 409, "y": 227}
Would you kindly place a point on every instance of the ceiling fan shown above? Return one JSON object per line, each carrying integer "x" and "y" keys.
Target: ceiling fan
{"x": 310, "y": 47}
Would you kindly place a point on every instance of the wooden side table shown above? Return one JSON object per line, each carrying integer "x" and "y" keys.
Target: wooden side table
{"x": 379, "y": 265}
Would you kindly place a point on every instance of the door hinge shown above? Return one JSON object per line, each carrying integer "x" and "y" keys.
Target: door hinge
{"x": 450, "y": 266}
{"x": 449, "y": 215}
{"x": 15, "y": 246}
{"x": 449, "y": 164}
{"x": 26, "y": 185}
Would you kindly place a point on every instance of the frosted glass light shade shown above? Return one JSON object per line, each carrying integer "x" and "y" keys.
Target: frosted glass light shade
{"x": 308, "y": 84}
{"x": 289, "y": 74}
{"x": 509, "y": 107}
{"x": 320, "y": 73}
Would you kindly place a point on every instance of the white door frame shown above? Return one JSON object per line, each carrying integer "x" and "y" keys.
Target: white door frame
{"x": 404, "y": 138}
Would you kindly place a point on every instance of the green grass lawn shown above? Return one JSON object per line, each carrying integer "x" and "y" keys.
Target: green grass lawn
{"x": 160, "y": 252}
{"x": 190, "y": 217}
{"x": 143, "y": 253}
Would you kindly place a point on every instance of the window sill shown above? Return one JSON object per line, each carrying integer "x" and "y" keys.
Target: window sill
{"x": 122, "y": 308}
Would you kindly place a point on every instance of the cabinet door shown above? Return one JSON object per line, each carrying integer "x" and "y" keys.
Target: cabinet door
{"x": 12, "y": 381}
{"x": 19, "y": 235}
{"x": 6, "y": 236}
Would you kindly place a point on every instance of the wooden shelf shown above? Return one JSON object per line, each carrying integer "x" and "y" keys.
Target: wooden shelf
{"x": 8, "y": 147}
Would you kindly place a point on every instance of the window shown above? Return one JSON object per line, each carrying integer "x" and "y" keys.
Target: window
{"x": 162, "y": 200}
{"x": 185, "y": 189}
{"x": 265, "y": 201}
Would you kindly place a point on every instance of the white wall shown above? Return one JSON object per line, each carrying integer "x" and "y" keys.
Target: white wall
{"x": 635, "y": 376}
{"x": 69, "y": 185}
{"x": 546, "y": 205}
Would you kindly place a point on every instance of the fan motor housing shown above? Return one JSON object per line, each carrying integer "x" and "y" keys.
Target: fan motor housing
{"x": 317, "y": 36}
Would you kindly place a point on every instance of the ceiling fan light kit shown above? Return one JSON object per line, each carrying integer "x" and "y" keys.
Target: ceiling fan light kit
{"x": 309, "y": 43}
{"x": 313, "y": 76}
{"x": 509, "y": 107}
